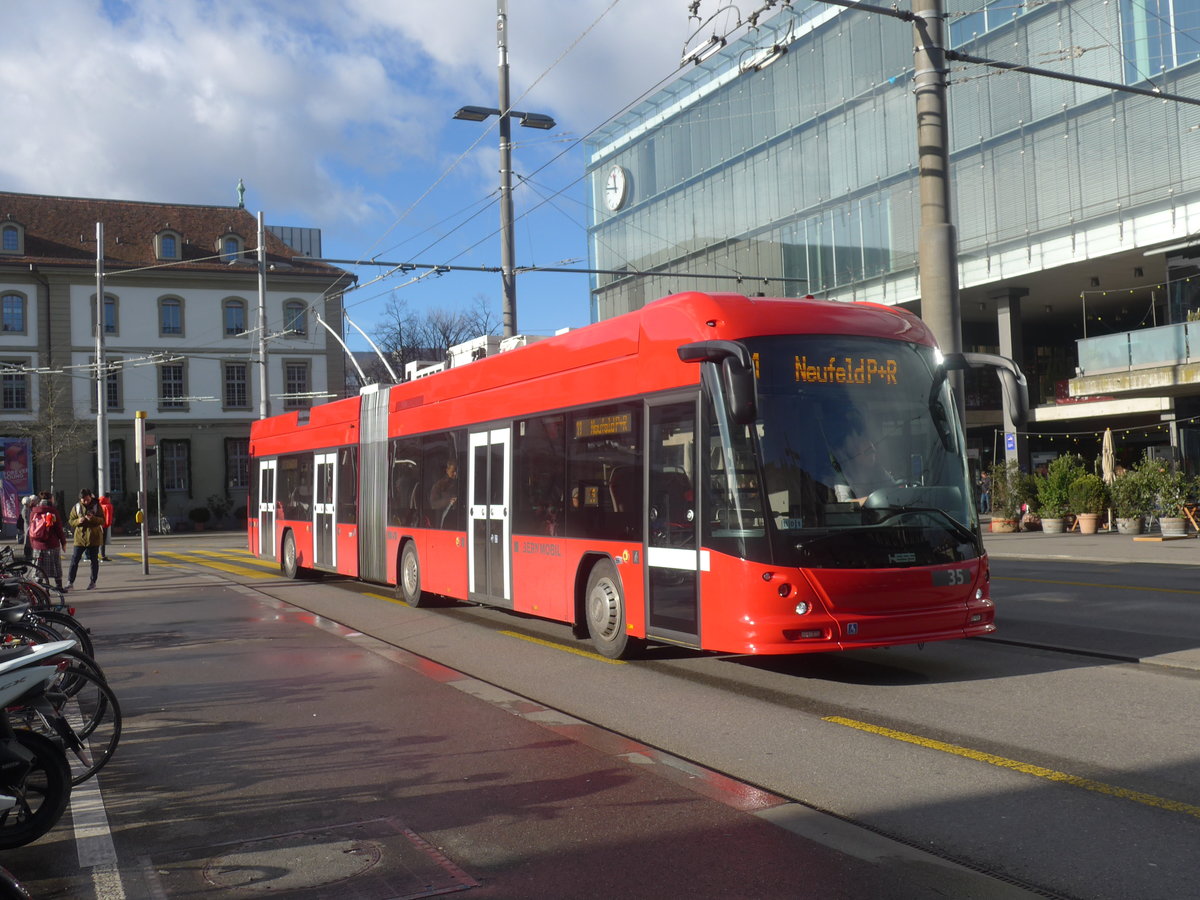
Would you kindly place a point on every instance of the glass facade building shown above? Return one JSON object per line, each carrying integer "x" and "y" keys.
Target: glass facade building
{"x": 787, "y": 163}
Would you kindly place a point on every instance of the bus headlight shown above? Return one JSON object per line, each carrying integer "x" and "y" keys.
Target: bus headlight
{"x": 802, "y": 608}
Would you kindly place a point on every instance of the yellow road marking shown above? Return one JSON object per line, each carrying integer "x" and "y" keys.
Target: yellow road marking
{"x": 212, "y": 563}
{"x": 1092, "y": 584}
{"x": 241, "y": 558}
{"x": 396, "y": 600}
{"x": 137, "y": 557}
{"x": 1025, "y": 768}
{"x": 564, "y": 648}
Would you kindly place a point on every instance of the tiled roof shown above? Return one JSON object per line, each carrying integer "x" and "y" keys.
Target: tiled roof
{"x": 62, "y": 231}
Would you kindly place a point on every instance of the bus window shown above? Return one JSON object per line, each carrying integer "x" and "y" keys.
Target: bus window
{"x": 404, "y": 483}
{"x": 444, "y": 479}
{"x": 539, "y": 470}
{"x": 347, "y": 493}
{"x": 604, "y": 472}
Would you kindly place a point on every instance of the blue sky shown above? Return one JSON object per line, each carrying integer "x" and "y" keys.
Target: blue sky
{"x": 337, "y": 115}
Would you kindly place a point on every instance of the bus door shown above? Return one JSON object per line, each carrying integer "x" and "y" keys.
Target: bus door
{"x": 489, "y": 528}
{"x": 673, "y": 558}
{"x": 324, "y": 506}
{"x": 266, "y": 508}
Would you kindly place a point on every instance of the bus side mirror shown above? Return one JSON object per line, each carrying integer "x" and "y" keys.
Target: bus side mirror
{"x": 740, "y": 396}
{"x": 737, "y": 375}
{"x": 1012, "y": 381}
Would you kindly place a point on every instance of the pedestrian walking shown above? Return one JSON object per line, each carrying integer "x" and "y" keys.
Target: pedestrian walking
{"x": 106, "y": 509}
{"x": 48, "y": 538}
{"x": 87, "y": 521}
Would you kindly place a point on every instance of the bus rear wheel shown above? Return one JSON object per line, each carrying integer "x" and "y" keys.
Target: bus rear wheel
{"x": 408, "y": 579}
{"x": 604, "y": 608}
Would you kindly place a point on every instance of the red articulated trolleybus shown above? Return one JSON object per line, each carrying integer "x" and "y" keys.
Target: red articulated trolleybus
{"x": 746, "y": 475}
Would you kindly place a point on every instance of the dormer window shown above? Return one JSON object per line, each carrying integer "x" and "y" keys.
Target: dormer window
{"x": 167, "y": 244}
{"x": 12, "y": 238}
{"x": 230, "y": 247}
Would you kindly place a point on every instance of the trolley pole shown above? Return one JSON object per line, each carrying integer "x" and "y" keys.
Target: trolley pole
{"x": 139, "y": 444}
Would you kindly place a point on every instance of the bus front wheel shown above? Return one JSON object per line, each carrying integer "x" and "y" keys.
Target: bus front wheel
{"x": 288, "y": 561}
{"x": 408, "y": 582}
{"x": 604, "y": 607}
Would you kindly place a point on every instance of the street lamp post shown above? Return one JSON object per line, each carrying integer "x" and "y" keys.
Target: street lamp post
{"x": 529, "y": 120}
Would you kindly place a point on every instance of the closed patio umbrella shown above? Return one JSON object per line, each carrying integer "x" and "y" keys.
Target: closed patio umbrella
{"x": 1108, "y": 459}
{"x": 1108, "y": 465}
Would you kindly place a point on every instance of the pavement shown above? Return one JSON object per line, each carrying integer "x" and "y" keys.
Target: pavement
{"x": 641, "y": 822}
{"x": 1108, "y": 547}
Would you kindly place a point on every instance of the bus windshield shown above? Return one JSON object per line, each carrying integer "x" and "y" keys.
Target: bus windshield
{"x": 861, "y": 454}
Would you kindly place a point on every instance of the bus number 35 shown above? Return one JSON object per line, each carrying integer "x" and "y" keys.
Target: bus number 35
{"x": 951, "y": 577}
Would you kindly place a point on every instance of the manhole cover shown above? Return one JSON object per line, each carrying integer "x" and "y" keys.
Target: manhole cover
{"x": 306, "y": 860}
{"x": 379, "y": 859}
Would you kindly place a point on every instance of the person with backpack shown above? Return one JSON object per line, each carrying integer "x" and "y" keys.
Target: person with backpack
{"x": 87, "y": 521}
{"x": 48, "y": 539}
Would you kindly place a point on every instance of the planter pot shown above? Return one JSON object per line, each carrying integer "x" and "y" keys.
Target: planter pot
{"x": 1054, "y": 526}
{"x": 1004, "y": 526}
{"x": 1132, "y": 525}
{"x": 1089, "y": 523}
{"x": 1172, "y": 527}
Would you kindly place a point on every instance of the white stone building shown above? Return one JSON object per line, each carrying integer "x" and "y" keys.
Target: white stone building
{"x": 181, "y": 340}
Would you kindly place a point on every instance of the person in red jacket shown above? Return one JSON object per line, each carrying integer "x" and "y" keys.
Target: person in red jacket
{"x": 106, "y": 507}
{"x": 48, "y": 539}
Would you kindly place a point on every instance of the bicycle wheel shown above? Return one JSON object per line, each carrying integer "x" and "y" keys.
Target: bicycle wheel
{"x": 42, "y": 792}
{"x": 68, "y": 627}
{"x": 95, "y": 715}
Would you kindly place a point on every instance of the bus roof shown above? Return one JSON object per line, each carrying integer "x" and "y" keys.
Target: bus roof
{"x": 624, "y": 356}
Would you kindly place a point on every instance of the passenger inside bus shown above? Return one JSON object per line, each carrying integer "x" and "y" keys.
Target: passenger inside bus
{"x": 444, "y": 495}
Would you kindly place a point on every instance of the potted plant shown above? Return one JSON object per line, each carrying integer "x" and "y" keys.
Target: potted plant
{"x": 1054, "y": 488}
{"x": 1172, "y": 490}
{"x": 199, "y": 516}
{"x": 1026, "y": 490}
{"x": 1132, "y": 498}
{"x": 1089, "y": 498}
{"x": 1005, "y": 499}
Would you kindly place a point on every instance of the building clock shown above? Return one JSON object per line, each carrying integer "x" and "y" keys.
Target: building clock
{"x": 616, "y": 188}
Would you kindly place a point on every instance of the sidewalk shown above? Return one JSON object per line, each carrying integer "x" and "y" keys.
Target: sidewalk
{"x": 1101, "y": 547}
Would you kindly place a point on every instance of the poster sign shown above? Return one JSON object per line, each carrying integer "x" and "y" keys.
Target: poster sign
{"x": 1010, "y": 440}
{"x": 17, "y": 480}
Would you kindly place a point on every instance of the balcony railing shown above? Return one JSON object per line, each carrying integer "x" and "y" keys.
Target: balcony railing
{"x": 1145, "y": 348}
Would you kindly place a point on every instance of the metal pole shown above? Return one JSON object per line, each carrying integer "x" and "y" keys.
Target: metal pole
{"x": 938, "y": 245}
{"x": 101, "y": 372}
{"x": 139, "y": 443}
{"x": 264, "y": 399}
{"x": 507, "y": 254}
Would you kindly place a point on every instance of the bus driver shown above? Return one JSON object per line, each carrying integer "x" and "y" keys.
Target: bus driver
{"x": 858, "y": 469}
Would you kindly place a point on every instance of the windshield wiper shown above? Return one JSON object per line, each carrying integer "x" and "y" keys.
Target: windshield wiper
{"x": 955, "y": 526}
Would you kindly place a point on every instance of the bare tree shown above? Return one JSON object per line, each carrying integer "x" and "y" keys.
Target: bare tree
{"x": 406, "y": 336}
{"x": 56, "y": 432}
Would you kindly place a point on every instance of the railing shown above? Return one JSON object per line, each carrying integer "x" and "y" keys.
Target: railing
{"x": 1144, "y": 348}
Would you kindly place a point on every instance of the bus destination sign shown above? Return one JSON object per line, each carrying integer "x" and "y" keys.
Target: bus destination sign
{"x": 603, "y": 426}
{"x": 847, "y": 370}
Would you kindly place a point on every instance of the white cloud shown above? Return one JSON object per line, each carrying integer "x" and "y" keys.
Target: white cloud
{"x": 335, "y": 112}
